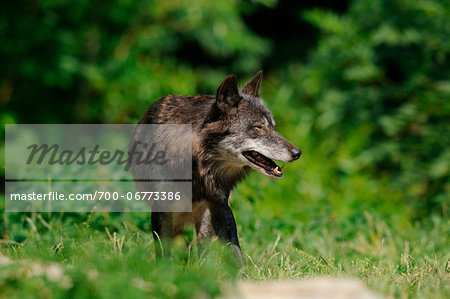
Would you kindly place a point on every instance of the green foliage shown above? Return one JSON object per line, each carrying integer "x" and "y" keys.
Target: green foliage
{"x": 378, "y": 84}
{"x": 370, "y": 102}
{"x": 369, "y": 108}
{"x": 108, "y": 60}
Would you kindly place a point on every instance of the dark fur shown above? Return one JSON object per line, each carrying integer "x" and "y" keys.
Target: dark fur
{"x": 226, "y": 118}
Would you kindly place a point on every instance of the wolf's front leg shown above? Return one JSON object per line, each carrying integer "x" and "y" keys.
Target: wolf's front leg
{"x": 162, "y": 229}
{"x": 224, "y": 225}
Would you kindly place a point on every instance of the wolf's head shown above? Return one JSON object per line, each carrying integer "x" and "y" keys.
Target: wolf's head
{"x": 245, "y": 129}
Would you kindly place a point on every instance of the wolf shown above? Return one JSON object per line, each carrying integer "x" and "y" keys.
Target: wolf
{"x": 233, "y": 133}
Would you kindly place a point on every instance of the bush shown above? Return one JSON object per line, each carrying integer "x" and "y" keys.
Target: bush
{"x": 378, "y": 83}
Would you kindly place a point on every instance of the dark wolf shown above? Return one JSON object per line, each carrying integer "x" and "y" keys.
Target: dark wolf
{"x": 233, "y": 132}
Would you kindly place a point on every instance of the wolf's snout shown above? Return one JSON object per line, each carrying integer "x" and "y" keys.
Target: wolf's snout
{"x": 296, "y": 153}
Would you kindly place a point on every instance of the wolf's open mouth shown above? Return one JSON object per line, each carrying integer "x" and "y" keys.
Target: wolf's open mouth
{"x": 265, "y": 163}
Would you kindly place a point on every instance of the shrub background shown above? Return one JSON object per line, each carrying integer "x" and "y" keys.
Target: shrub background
{"x": 363, "y": 86}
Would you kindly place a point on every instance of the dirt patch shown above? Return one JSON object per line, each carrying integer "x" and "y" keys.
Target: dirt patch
{"x": 316, "y": 288}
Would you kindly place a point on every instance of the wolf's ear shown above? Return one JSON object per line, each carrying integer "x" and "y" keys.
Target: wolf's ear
{"x": 252, "y": 86}
{"x": 227, "y": 93}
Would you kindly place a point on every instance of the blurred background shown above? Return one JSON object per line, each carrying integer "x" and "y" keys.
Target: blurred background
{"x": 362, "y": 87}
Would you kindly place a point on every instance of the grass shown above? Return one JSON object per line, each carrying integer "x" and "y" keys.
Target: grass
{"x": 315, "y": 221}
{"x": 111, "y": 255}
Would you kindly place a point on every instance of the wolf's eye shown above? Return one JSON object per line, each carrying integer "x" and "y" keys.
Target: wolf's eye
{"x": 259, "y": 129}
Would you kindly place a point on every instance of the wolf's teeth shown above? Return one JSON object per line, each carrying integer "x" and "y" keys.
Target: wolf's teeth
{"x": 277, "y": 170}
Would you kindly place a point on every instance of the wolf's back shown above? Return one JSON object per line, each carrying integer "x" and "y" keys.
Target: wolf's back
{"x": 176, "y": 109}
{"x": 170, "y": 110}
